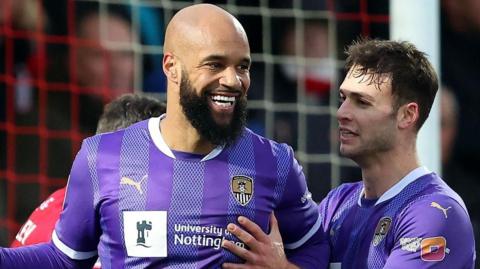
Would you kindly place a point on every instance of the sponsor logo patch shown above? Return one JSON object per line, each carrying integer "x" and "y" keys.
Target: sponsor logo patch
{"x": 145, "y": 233}
{"x": 242, "y": 189}
{"x": 433, "y": 249}
{"x": 411, "y": 244}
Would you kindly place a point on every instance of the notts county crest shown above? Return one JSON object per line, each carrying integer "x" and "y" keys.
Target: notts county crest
{"x": 242, "y": 189}
{"x": 382, "y": 229}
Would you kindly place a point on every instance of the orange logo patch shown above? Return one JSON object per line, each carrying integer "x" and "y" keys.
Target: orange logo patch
{"x": 433, "y": 249}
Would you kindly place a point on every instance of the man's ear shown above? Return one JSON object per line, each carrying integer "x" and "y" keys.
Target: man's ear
{"x": 170, "y": 67}
{"x": 407, "y": 115}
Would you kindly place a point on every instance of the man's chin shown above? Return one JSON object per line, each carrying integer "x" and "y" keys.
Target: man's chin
{"x": 223, "y": 121}
{"x": 347, "y": 152}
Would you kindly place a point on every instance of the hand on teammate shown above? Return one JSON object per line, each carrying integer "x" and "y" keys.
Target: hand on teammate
{"x": 265, "y": 251}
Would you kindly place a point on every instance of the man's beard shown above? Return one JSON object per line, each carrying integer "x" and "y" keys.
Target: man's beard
{"x": 198, "y": 112}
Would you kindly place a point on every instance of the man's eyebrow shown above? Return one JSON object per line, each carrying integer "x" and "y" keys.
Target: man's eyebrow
{"x": 356, "y": 95}
{"x": 247, "y": 60}
{"x": 213, "y": 57}
{"x": 219, "y": 57}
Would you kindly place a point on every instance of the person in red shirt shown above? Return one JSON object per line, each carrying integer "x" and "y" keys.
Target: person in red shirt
{"x": 39, "y": 226}
{"x": 120, "y": 113}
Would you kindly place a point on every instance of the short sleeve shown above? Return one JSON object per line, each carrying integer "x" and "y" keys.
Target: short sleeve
{"x": 77, "y": 231}
{"x": 433, "y": 232}
{"x": 297, "y": 213}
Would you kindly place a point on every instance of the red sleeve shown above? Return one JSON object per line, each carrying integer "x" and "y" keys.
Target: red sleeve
{"x": 41, "y": 223}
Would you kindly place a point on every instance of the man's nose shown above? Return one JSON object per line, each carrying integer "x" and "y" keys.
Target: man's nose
{"x": 231, "y": 79}
{"x": 343, "y": 112}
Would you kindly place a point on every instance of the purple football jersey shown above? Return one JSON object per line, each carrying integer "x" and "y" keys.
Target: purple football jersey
{"x": 141, "y": 205}
{"x": 418, "y": 223}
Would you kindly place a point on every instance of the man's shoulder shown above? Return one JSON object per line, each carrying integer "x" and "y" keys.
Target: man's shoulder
{"x": 129, "y": 134}
{"x": 440, "y": 212}
{"x": 347, "y": 190}
{"x": 262, "y": 143}
{"x": 249, "y": 134}
{"x": 436, "y": 202}
{"x": 342, "y": 198}
{"x": 436, "y": 192}
{"x": 439, "y": 224}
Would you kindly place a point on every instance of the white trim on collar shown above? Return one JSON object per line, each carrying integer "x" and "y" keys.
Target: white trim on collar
{"x": 214, "y": 153}
{"x": 397, "y": 188}
{"x": 154, "y": 129}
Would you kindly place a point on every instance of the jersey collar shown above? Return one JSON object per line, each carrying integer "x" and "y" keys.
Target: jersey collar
{"x": 154, "y": 129}
{"x": 397, "y": 188}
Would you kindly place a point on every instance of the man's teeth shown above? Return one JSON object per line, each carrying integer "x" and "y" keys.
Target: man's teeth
{"x": 346, "y": 133}
{"x": 224, "y": 101}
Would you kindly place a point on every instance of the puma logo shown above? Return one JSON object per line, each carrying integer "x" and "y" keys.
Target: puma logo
{"x": 444, "y": 210}
{"x": 131, "y": 182}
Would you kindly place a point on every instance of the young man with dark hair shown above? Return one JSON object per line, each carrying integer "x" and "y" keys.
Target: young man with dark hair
{"x": 401, "y": 215}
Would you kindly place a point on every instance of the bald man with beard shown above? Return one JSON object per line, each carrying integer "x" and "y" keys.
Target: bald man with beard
{"x": 160, "y": 193}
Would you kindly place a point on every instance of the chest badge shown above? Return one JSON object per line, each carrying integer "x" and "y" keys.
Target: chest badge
{"x": 242, "y": 189}
{"x": 145, "y": 233}
{"x": 382, "y": 229}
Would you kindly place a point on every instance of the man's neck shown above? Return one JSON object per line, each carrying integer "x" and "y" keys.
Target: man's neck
{"x": 180, "y": 135}
{"x": 384, "y": 171}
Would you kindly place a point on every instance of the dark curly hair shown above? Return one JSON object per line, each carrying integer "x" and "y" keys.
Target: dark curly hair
{"x": 128, "y": 109}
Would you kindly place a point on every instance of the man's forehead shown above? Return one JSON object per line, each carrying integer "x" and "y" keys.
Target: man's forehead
{"x": 204, "y": 20}
{"x": 216, "y": 47}
{"x": 224, "y": 31}
{"x": 359, "y": 78}
{"x": 202, "y": 41}
{"x": 364, "y": 86}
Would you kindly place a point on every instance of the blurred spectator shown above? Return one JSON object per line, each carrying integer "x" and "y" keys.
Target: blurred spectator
{"x": 100, "y": 67}
{"x": 463, "y": 181}
{"x": 460, "y": 57}
{"x": 305, "y": 62}
{"x": 19, "y": 60}
{"x": 66, "y": 107}
{"x": 312, "y": 65}
{"x": 460, "y": 40}
{"x": 305, "y": 65}
{"x": 462, "y": 15}
{"x": 312, "y": 72}
{"x": 106, "y": 60}
{"x": 448, "y": 123}
{"x": 149, "y": 25}
{"x": 22, "y": 16}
